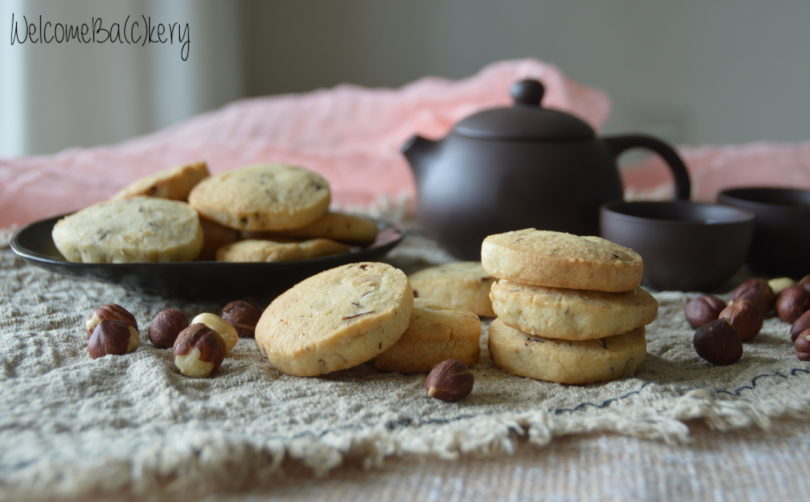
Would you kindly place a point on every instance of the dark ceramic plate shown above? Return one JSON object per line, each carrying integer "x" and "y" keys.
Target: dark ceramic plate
{"x": 195, "y": 280}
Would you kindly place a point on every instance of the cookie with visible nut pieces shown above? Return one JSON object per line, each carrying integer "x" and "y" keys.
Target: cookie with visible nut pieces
{"x": 333, "y": 225}
{"x": 139, "y": 229}
{"x": 173, "y": 183}
{"x": 565, "y": 361}
{"x": 336, "y": 319}
{"x": 435, "y": 333}
{"x": 461, "y": 284}
{"x": 262, "y": 197}
{"x": 256, "y": 250}
{"x": 571, "y": 314}
{"x": 560, "y": 260}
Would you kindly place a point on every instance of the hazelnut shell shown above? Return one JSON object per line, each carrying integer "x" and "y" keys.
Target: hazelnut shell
{"x": 222, "y": 327}
{"x": 703, "y": 309}
{"x": 109, "y": 312}
{"x": 206, "y": 340}
{"x": 243, "y": 316}
{"x": 757, "y": 291}
{"x": 745, "y": 317}
{"x": 112, "y": 337}
{"x": 718, "y": 343}
{"x": 449, "y": 380}
{"x": 165, "y": 327}
{"x": 792, "y": 303}
{"x": 802, "y": 345}
{"x": 805, "y": 282}
{"x": 799, "y": 325}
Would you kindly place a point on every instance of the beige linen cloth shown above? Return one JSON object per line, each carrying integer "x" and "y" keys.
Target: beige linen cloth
{"x": 71, "y": 426}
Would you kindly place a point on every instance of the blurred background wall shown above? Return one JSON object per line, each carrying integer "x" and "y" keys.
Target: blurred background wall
{"x": 692, "y": 71}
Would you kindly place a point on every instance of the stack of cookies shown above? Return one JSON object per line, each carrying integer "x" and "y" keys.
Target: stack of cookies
{"x": 459, "y": 284}
{"x": 569, "y": 308}
{"x": 362, "y": 312}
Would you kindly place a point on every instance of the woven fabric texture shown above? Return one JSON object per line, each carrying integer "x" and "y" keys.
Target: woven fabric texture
{"x": 71, "y": 425}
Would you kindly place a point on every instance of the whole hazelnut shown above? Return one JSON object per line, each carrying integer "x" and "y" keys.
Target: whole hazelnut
{"x": 745, "y": 317}
{"x": 109, "y": 312}
{"x": 756, "y": 291}
{"x": 703, "y": 309}
{"x": 802, "y": 345}
{"x": 792, "y": 303}
{"x": 449, "y": 380}
{"x": 243, "y": 316}
{"x": 165, "y": 327}
{"x": 198, "y": 351}
{"x": 778, "y": 284}
{"x": 799, "y": 325}
{"x": 718, "y": 343}
{"x": 805, "y": 282}
{"x": 220, "y": 325}
{"x": 112, "y": 337}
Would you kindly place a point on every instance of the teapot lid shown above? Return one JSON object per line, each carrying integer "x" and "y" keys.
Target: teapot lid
{"x": 526, "y": 119}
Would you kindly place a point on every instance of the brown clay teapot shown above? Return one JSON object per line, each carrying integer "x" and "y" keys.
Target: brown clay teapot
{"x": 521, "y": 166}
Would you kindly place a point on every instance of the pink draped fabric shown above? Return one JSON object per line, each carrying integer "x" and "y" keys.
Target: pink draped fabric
{"x": 714, "y": 168}
{"x": 349, "y": 134}
{"x": 352, "y": 136}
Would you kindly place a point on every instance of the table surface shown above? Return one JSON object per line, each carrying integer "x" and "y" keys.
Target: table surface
{"x": 742, "y": 465}
{"x": 746, "y": 464}
{"x": 749, "y": 464}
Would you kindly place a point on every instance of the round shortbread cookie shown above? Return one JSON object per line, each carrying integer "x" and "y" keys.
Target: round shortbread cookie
{"x": 462, "y": 284}
{"x": 262, "y": 197}
{"x": 571, "y": 314}
{"x": 336, "y": 319}
{"x": 173, "y": 183}
{"x": 139, "y": 229}
{"x": 254, "y": 250}
{"x": 564, "y": 361}
{"x": 436, "y": 332}
{"x": 560, "y": 260}
{"x": 336, "y": 226}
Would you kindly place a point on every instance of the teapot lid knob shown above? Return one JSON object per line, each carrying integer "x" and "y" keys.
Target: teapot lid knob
{"x": 526, "y": 119}
{"x": 527, "y": 92}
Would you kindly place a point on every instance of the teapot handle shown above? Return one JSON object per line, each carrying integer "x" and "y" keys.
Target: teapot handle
{"x": 616, "y": 145}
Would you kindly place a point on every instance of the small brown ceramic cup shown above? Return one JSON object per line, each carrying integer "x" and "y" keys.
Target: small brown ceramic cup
{"x": 781, "y": 242}
{"x": 686, "y": 246}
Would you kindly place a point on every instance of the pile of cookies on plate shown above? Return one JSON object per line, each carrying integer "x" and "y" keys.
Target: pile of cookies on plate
{"x": 569, "y": 309}
{"x": 265, "y": 212}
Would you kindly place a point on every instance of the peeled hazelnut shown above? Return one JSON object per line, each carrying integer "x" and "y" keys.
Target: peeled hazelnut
{"x": 718, "y": 343}
{"x": 805, "y": 282}
{"x": 756, "y": 291}
{"x": 799, "y": 325}
{"x": 792, "y": 303}
{"x": 165, "y": 327}
{"x": 802, "y": 345}
{"x": 449, "y": 380}
{"x": 109, "y": 312}
{"x": 220, "y": 325}
{"x": 778, "y": 284}
{"x": 198, "y": 351}
{"x": 745, "y": 317}
{"x": 703, "y": 309}
{"x": 243, "y": 316}
{"x": 112, "y": 337}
